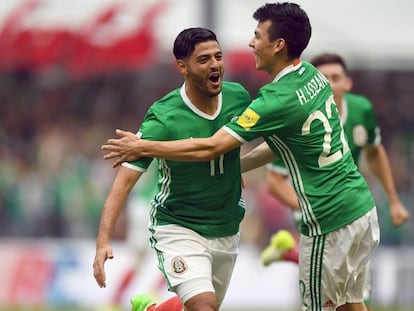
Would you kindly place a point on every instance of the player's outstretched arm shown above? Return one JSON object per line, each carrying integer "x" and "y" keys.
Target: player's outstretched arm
{"x": 379, "y": 164}
{"x": 128, "y": 147}
{"x": 279, "y": 186}
{"x": 257, "y": 157}
{"x": 122, "y": 185}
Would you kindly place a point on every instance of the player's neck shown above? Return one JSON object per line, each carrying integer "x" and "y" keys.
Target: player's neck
{"x": 338, "y": 102}
{"x": 206, "y": 104}
{"x": 281, "y": 64}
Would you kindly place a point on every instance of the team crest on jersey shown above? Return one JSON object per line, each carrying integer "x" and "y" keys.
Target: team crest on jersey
{"x": 360, "y": 135}
{"x": 248, "y": 119}
{"x": 178, "y": 265}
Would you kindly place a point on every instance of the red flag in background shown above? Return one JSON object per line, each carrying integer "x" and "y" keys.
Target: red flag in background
{"x": 105, "y": 49}
{"x": 12, "y": 40}
{"x": 101, "y": 45}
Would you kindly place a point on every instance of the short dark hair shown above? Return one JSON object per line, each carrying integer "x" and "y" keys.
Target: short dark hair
{"x": 187, "y": 39}
{"x": 329, "y": 58}
{"x": 290, "y": 22}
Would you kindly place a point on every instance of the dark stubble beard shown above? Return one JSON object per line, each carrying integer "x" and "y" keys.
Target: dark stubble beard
{"x": 203, "y": 89}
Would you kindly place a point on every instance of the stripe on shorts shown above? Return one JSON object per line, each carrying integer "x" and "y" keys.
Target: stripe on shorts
{"x": 315, "y": 278}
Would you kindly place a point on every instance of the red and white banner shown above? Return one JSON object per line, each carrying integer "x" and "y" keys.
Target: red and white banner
{"x": 115, "y": 35}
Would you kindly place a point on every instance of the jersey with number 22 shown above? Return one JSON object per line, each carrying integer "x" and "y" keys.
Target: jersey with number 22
{"x": 297, "y": 116}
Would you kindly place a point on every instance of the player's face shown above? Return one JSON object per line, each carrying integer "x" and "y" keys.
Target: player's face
{"x": 340, "y": 82}
{"x": 204, "y": 69}
{"x": 263, "y": 49}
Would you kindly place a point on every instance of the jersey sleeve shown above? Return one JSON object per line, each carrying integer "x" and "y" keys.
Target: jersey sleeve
{"x": 374, "y": 136}
{"x": 258, "y": 119}
{"x": 152, "y": 128}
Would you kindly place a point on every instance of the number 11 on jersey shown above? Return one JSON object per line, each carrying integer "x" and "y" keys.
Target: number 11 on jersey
{"x": 217, "y": 165}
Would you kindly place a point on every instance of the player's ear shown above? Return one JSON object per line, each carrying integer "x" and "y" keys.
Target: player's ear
{"x": 181, "y": 66}
{"x": 279, "y": 44}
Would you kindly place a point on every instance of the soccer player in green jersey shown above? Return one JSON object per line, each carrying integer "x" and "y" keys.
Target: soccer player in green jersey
{"x": 196, "y": 213}
{"x": 363, "y": 134}
{"x": 297, "y": 117}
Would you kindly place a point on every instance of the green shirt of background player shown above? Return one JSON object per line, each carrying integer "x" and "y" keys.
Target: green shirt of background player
{"x": 195, "y": 215}
{"x": 297, "y": 117}
{"x": 360, "y": 125}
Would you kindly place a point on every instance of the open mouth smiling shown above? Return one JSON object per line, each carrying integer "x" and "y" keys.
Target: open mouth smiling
{"x": 215, "y": 77}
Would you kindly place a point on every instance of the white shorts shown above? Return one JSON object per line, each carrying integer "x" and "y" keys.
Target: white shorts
{"x": 333, "y": 267}
{"x": 367, "y": 286}
{"x": 193, "y": 264}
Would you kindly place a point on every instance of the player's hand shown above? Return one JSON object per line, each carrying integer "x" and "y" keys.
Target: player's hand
{"x": 102, "y": 254}
{"x": 121, "y": 149}
{"x": 399, "y": 214}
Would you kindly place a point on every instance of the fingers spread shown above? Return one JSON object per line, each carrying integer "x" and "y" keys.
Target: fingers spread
{"x": 109, "y": 147}
{"x": 117, "y": 163}
{"x": 111, "y": 155}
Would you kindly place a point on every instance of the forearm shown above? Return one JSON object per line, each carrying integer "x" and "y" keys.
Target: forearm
{"x": 282, "y": 190}
{"x": 378, "y": 161}
{"x": 110, "y": 214}
{"x": 288, "y": 197}
{"x": 257, "y": 157}
{"x": 129, "y": 148}
{"x": 197, "y": 149}
{"x": 115, "y": 203}
{"x": 194, "y": 149}
{"x": 379, "y": 164}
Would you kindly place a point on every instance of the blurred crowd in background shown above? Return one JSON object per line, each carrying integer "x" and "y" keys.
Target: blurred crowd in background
{"x": 71, "y": 72}
{"x": 54, "y": 118}
{"x": 53, "y": 178}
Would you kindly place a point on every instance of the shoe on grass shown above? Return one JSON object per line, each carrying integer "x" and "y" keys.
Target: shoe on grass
{"x": 142, "y": 302}
{"x": 281, "y": 244}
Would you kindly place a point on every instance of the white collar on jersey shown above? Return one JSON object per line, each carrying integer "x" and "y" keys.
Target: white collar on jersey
{"x": 344, "y": 108}
{"x": 197, "y": 111}
{"x": 287, "y": 70}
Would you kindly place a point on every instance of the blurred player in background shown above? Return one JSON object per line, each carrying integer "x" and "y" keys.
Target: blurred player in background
{"x": 296, "y": 116}
{"x": 196, "y": 213}
{"x": 363, "y": 134}
{"x": 283, "y": 245}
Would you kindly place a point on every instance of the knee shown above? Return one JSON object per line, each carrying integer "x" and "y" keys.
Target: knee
{"x": 202, "y": 302}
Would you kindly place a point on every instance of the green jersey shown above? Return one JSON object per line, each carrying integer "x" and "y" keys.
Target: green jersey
{"x": 360, "y": 124}
{"x": 202, "y": 196}
{"x": 297, "y": 116}
{"x": 360, "y": 127}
